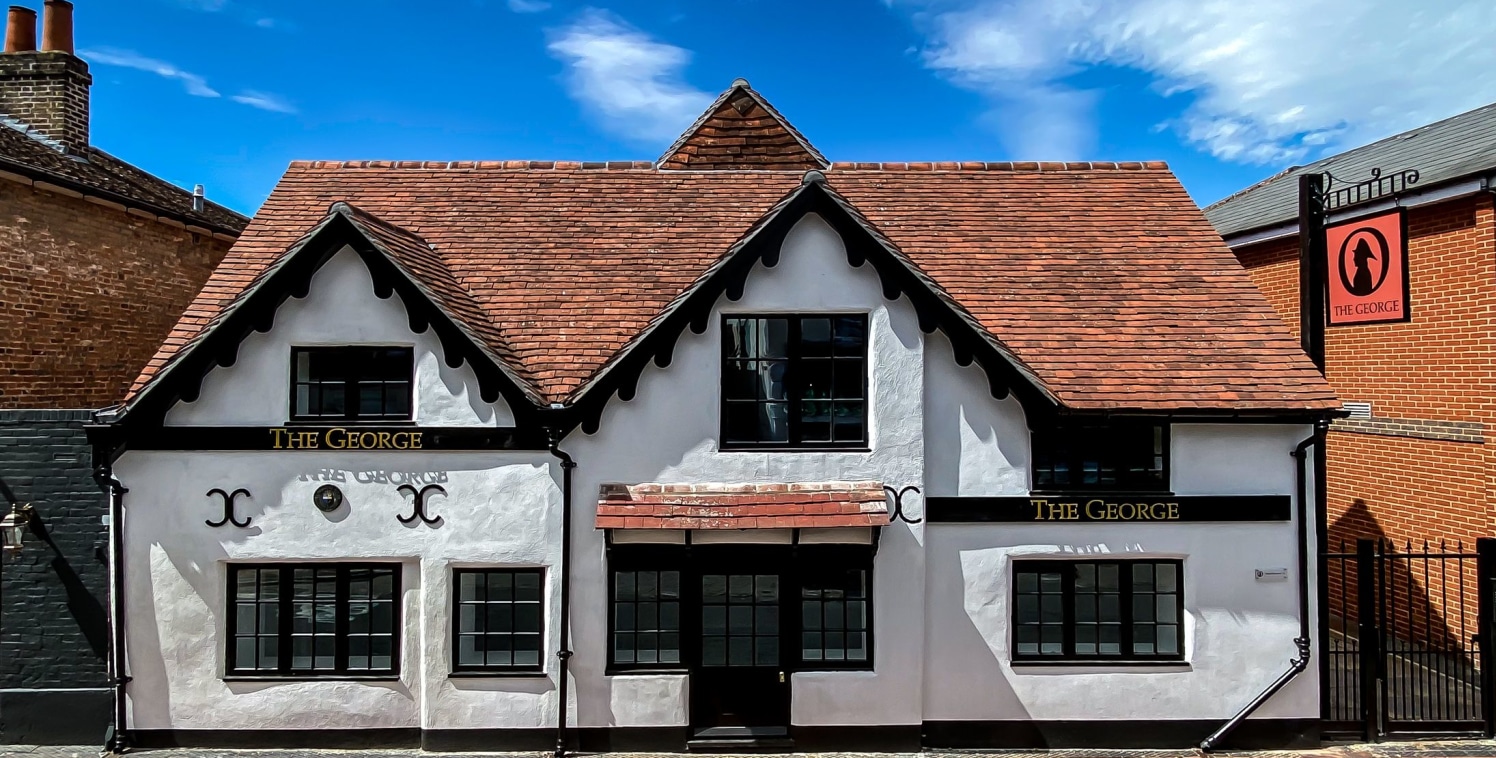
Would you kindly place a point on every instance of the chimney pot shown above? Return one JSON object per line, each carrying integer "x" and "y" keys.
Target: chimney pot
{"x": 20, "y": 30}
{"x": 199, "y": 199}
{"x": 57, "y": 26}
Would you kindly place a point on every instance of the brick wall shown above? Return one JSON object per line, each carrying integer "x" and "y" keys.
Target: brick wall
{"x": 1423, "y": 468}
{"x": 48, "y": 91}
{"x": 94, "y": 292}
{"x": 54, "y": 593}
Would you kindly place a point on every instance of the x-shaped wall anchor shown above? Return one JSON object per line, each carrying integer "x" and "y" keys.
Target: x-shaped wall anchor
{"x": 420, "y": 504}
{"x": 898, "y": 504}
{"x": 228, "y": 508}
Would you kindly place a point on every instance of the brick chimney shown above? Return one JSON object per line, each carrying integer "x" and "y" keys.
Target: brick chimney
{"x": 47, "y": 89}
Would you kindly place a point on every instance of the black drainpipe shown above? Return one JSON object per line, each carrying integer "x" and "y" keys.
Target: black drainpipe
{"x": 1297, "y": 665}
{"x": 564, "y": 653}
{"x": 117, "y": 740}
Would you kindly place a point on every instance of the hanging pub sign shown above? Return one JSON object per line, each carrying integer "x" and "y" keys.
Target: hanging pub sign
{"x": 1115, "y": 508}
{"x": 1368, "y": 270}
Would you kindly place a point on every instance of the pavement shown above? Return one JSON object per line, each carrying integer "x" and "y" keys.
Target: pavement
{"x": 1424, "y": 749}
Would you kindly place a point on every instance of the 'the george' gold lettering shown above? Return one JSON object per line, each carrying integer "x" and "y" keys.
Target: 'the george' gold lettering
{"x": 1101, "y": 510}
{"x": 339, "y": 438}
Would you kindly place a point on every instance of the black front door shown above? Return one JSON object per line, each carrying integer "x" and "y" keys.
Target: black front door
{"x": 739, "y": 684}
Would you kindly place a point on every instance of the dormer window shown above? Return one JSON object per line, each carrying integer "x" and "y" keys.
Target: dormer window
{"x": 1122, "y": 456}
{"x": 351, "y": 383}
{"x": 794, "y": 381}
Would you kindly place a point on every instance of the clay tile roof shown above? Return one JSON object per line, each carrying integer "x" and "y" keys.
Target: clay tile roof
{"x": 742, "y": 506}
{"x": 742, "y": 131}
{"x": 1101, "y": 282}
{"x": 97, "y": 172}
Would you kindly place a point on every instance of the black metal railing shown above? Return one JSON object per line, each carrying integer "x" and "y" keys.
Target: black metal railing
{"x": 1406, "y": 629}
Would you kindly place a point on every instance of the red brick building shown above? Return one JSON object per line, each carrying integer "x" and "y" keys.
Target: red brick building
{"x": 1415, "y": 461}
{"x": 98, "y": 259}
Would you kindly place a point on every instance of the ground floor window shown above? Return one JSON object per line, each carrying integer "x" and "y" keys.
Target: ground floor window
{"x": 329, "y": 619}
{"x": 1098, "y": 610}
{"x": 740, "y": 607}
{"x": 498, "y": 625}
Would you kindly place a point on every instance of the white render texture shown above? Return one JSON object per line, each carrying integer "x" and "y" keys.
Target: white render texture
{"x": 340, "y": 309}
{"x": 940, "y": 591}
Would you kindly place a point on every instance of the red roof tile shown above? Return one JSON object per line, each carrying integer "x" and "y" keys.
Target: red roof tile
{"x": 1102, "y": 279}
{"x": 741, "y": 506}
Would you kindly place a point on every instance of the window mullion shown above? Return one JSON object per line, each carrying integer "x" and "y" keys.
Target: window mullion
{"x": 792, "y": 378}
{"x": 340, "y": 622}
{"x": 1124, "y": 581}
{"x": 354, "y": 361}
{"x": 1067, "y": 617}
{"x": 283, "y": 624}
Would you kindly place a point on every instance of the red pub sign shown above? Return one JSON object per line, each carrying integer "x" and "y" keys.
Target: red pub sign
{"x": 1368, "y": 270}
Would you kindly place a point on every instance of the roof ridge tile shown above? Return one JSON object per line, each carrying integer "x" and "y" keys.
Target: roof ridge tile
{"x": 479, "y": 165}
{"x": 1015, "y": 166}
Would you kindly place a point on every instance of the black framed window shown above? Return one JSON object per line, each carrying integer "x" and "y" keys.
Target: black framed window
{"x": 314, "y": 620}
{"x": 1117, "y": 457}
{"x": 1098, "y": 610}
{"x": 351, "y": 383}
{"x": 499, "y": 623}
{"x": 836, "y": 618}
{"x": 646, "y": 618}
{"x": 794, "y": 381}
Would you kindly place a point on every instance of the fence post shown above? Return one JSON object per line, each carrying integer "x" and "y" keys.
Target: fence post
{"x": 1485, "y": 583}
{"x": 1368, "y": 642}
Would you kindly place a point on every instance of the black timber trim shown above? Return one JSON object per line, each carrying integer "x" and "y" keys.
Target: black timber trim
{"x": 730, "y": 278}
{"x": 182, "y": 378}
{"x": 1253, "y": 734}
{"x": 262, "y": 437}
{"x": 974, "y": 735}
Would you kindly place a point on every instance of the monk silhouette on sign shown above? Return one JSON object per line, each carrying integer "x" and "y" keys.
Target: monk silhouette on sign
{"x": 1362, "y": 283}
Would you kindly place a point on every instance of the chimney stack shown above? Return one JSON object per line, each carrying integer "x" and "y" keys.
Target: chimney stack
{"x": 57, "y": 26}
{"x": 47, "y": 89}
{"x": 20, "y": 30}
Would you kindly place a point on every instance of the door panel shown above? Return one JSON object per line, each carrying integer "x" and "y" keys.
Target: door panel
{"x": 739, "y": 679}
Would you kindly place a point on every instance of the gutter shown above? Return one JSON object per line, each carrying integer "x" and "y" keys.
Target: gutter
{"x": 1427, "y": 196}
{"x": 564, "y": 653}
{"x": 117, "y": 740}
{"x": 1297, "y": 665}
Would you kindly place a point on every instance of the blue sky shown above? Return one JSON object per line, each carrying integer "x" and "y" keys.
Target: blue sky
{"x": 226, "y": 92}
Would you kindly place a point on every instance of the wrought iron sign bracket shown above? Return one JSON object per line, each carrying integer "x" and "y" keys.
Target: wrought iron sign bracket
{"x": 898, "y": 504}
{"x": 1375, "y": 188}
{"x": 228, "y": 508}
{"x": 419, "y": 505}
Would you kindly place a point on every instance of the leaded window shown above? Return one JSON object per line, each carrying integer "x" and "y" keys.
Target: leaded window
{"x": 1098, "y": 610}
{"x": 1123, "y": 456}
{"x": 351, "y": 383}
{"x": 314, "y": 620}
{"x": 499, "y": 619}
{"x": 794, "y": 381}
{"x": 646, "y": 618}
{"x": 835, "y": 618}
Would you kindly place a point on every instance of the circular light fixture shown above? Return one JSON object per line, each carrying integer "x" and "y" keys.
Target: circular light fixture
{"x": 327, "y": 498}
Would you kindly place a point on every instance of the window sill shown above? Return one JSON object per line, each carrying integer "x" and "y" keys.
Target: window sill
{"x": 798, "y": 449}
{"x": 347, "y": 422}
{"x": 681, "y": 671}
{"x": 1107, "y": 664}
{"x": 868, "y": 669}
{"x": 1080, "y": 492}
{"x": 312, "y": 678}
{"x": 498, "y": 675}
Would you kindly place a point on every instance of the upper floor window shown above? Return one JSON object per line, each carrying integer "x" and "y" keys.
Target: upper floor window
{"x": 1121, "y": 456}
{"x": 794, "y": 381}
{"x": 351, "y": 383}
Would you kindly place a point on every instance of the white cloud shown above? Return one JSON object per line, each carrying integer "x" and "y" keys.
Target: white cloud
{"x": 529, "y": 6}
{"x": 1263, "y": 82}
{"x": 110, "y": 56}
{"x": 264, "y": 101}
{"x": 631, "y": 81}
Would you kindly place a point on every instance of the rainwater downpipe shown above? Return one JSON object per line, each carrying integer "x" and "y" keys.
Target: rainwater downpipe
{"x": 1297, "y": 665}
{"x": 117, "y": 741}
{"x": 563, "y": 653}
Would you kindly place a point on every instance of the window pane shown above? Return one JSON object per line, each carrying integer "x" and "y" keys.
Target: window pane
{"x": 1167, "y": 578}
{"x": 507, "y": 612}
{"x": 815, "y": 336}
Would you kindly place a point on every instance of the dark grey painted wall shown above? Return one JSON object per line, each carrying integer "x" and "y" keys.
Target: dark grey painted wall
{"x": 54, "y": 594}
